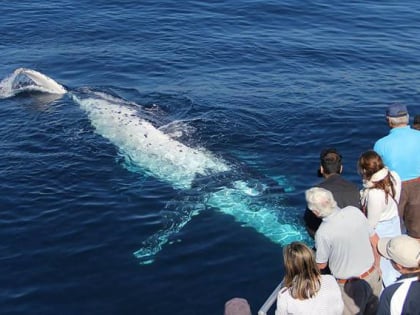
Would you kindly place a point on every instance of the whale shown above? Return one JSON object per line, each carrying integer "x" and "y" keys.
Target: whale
{"x": 215, "y": 182}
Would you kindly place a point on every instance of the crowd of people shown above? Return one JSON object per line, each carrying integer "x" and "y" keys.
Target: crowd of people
{"x": 366, "y": 258}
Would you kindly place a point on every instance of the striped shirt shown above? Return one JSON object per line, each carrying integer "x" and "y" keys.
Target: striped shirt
{"x": 402, "y": 297}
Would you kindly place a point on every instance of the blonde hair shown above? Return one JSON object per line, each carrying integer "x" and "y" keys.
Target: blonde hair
{"x": 302, "y": 276}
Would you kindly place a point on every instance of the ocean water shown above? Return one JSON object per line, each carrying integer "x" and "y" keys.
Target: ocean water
{"x": 262, "y": 85}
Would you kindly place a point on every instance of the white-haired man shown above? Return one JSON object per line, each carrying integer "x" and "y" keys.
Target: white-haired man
{"x": 347, "y": 243}
{"x": 400, "y": 151}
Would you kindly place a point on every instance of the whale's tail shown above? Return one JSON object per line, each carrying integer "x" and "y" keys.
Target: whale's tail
{"x": 27, "y": 80}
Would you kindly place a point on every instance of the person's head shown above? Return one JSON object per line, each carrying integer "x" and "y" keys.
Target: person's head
{"x": 369, "y": 163}
{"x": 372, "y": 169}
{"x": 301, "y": 271}
{"x": 320, "y": 201}
{"x": 237, "y": 306}
{"x": 330, "y": 160}
{"x": 416, "y": 123}
{"x": 403, "y": 251}
{"x": 397, "y": 115}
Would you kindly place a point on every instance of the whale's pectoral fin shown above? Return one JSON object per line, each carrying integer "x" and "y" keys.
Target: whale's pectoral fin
{"x": 265, "y": 216}
{"x": 28, "y": 80}
{"x": 173, "y": 221}
{"x": 45, "y": 84}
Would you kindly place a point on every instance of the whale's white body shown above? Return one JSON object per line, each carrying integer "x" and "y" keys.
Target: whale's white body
{"x": 146, "y": 146}
{"x": 168, "y": 160}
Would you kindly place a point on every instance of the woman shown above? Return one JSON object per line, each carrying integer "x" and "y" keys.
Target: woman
{"x": 306, "y": 291}
{"x": 379, "y": 199}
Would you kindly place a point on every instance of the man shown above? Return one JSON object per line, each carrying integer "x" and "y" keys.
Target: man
{"x": 416, "y": 123}
{"x": 345, "y": 192}
{"x": 402, "y": 297}
{"x": 400, "y": 151}
{"x": 347, "y": 243}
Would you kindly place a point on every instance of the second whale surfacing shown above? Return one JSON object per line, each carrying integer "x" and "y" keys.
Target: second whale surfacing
{"x": 218, "y": 184}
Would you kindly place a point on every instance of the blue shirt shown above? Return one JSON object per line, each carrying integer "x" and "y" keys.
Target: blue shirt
{"x": 400, "y": 151}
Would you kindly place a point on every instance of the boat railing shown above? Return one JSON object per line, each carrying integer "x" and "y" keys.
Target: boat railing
{"x": 270, "y": 300}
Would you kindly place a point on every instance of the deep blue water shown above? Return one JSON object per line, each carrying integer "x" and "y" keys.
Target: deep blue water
{"x": 265, "y": 83}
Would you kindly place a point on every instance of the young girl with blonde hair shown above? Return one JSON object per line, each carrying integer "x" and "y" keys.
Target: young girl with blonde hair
{"x": 306, "y": 291}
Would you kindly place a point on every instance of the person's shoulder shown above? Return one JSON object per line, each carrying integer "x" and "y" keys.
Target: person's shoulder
{"x": 379, "y": 143}
{"x": 347, "y": 183}
{"x": 336, "y": 182}
{"x": 389, "y": 291}
{"x": 395, "y": 175}
{"x": 415, "y": 132}
{"x": 322, "y": 234}
{"x": 328, "y": 278}
{"x": 352, "y": 211}
{"x": 284, "y": 292}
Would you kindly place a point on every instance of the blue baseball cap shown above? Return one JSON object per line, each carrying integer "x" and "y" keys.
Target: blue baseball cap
{"x": 396, "y": 110}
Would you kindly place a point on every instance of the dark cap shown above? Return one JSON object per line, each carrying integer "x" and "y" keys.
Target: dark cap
{"x": 417, "y": 119}
{"x": 396, "y": 110}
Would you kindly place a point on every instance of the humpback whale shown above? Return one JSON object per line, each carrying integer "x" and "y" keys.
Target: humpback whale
{"x": 217, "y": 182}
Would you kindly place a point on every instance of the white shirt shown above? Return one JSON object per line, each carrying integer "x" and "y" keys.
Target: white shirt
{"x": 377, "y": 207}
{"x": 327, "y": 301}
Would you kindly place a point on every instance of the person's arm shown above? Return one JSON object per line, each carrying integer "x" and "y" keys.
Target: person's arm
{"x": 375, "y": 203}
{"x": 374, "y": 242}
{"x": 322, "y": 251}
{"x": 322, "y": 265}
